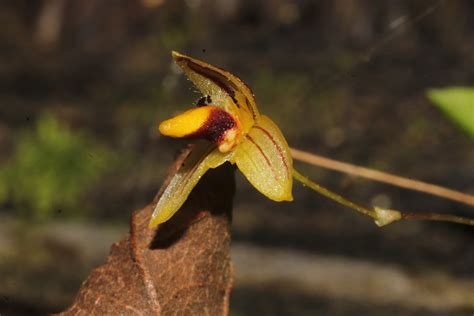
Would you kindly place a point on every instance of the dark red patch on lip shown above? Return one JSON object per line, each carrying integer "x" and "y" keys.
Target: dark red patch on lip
{"x": 218, "y": 122}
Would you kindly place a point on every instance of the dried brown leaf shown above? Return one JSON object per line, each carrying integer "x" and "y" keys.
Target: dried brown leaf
{"x": 183, "y": 267}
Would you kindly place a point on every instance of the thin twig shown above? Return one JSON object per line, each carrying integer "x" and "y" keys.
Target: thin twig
{"x": 437, "y": 217}
{"x": 384, "y": 177}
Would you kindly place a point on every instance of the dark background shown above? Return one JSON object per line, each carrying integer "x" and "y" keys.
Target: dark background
{"x": 83, "y": 85}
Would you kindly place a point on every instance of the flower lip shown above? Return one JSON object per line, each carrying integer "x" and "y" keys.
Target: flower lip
{"x": 206, "y": 122}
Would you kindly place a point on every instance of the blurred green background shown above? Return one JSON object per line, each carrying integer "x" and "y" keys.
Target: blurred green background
{"x": 83, "y": 85}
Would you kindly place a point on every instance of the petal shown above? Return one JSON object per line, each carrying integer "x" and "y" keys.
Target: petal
{"x": 225, "y": 89}
{"x": 264, "y": 158}
{"x": 203, "y": 156}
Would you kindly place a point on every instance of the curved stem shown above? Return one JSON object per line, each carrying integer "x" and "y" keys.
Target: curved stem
{"x": 332, "y": 195}
{"x": 382, "y": 177}
{"x": 381, "y": 216}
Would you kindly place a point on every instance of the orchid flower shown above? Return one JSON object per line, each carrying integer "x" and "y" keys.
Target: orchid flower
{"x": 228, "y": 119}
{"x": 233, "y": 130}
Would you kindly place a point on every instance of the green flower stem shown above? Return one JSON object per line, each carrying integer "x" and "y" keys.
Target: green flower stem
{"x": 332, "y": 195}
{"x": 381, "y": 216}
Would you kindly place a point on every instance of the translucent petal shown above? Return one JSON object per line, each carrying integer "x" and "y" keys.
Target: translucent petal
{"x": 202, "y": 157}
{"x": 264, "y": 158}
{"x": 224, "y": 88}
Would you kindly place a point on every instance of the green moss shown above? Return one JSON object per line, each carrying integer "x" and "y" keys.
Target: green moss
{"x": 51, "y": 168}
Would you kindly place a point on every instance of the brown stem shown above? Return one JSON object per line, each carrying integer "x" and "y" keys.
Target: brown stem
{"x": 437, "y": 217}
{"x": 380, "y": 176}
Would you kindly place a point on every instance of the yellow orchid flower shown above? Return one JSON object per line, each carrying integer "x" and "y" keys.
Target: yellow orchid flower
{"x": 234, "y": 130}
{"x": 228, "y": 120}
